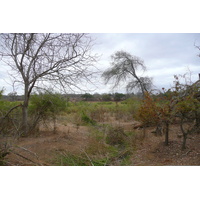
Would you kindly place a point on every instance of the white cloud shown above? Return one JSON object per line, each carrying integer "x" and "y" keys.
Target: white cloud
{"x": 165, "y": 55}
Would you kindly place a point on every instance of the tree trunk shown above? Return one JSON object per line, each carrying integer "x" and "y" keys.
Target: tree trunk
{"x": 167, "y": 134}
{"x": 184, "y": 135}
{"x": 25, "y": 119}
{"x": 159, "y": 129}
{"x": 25, "y": 112}
{"x": 184, "y": 141}
{"x": 142, "y": 87}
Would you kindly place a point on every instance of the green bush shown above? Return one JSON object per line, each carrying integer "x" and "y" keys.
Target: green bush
{"x": 46, "y": 103}
{"x": 74, "y": 160}
{"x": 87, "y": 119}
{"x": 46, "y": 106}
{"x": 10, "y": 119}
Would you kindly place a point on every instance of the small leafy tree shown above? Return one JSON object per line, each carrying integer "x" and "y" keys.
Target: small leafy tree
{"x": 46, "y": 106}
{"x": 157, "y": 112}
{"x": 106, "y": 97}
{"x": 87, "y": 97}
{"x": 147, "y": 112}
{"x": 119, "y": 96}
{"x": 187, "y": 107}
{"x": 185, "y": 110}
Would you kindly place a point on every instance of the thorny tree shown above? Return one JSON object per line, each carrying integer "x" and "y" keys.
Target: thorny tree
{"x": 37, "y": 59}
{"x": 124, "y": 67}
{"x": 188, "y": 107}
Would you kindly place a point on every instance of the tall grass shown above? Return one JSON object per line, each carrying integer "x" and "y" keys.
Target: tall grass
{"x": 104, "y": 111}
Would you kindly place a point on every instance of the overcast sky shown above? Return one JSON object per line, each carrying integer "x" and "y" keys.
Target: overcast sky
{"x": 165, "y": 55}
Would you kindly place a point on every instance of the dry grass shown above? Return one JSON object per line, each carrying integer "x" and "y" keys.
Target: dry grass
{"x": 111, "y": 141}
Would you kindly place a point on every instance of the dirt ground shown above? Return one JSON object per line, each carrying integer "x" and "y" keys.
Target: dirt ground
{"x": 153, "y": 152}
{"x": 41, "y": 149}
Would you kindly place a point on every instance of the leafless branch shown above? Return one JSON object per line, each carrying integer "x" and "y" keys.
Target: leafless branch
{"x": 62, "y": 59}
{"x": 124, "y": 67}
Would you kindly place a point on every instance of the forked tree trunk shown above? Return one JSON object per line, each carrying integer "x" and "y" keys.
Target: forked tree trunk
{"x": 144, "y": 90}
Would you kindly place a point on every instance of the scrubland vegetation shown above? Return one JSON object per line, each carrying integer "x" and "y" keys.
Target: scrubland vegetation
{"x": 102, "y": 133}
{"x": 106, "y": 139}
{"x": 47, "y": 128}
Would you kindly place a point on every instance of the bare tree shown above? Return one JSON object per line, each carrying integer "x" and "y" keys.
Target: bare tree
{"x": 124, "y": 67}
{"x": 37, "y": 59}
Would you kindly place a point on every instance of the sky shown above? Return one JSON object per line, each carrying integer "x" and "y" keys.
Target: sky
{"x": 164, "y": 55}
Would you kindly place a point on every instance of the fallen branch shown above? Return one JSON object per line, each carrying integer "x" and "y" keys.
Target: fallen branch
{"x": 187, "y": 153}
{"x": 10, "y": 112}
{"x": 26, "y": 158}
{"x": 28, "y": 151}
{"x": 6, "y": 115}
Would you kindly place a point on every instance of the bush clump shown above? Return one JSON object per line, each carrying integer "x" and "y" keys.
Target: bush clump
{"x": 116, "y": 136}
{"x": 87, "y": 120}
{"x": 46, "y": 106}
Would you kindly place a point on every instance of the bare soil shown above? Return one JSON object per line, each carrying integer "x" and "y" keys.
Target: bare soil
{"x": 153, "y": 152}
{"x": 42, "y": 148}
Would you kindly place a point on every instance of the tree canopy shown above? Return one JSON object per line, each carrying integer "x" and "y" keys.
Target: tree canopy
{"x": 124, "y": 67}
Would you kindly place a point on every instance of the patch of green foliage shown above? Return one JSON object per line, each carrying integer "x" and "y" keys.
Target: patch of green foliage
{"x": 46, "y": 106}
{"x": 81, "y": 159}
{"x": 87, "y": 120}
{"x": 47, "y": 103}
{"x": 73, "y": 160}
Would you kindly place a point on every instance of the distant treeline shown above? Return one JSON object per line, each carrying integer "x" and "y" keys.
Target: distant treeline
{"x": 79, "y": 97}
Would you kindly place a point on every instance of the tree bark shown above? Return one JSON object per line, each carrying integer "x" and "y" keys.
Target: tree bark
{"x": 184, "y": 135}
{"x": 25, "y": 120}
{"x": 25, "y": 111}
{"x": 184, "y": 141}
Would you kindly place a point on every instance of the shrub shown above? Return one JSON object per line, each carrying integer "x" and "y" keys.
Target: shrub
{"x": 86, "y": 119}
{"x": 148, "y": 111}
{"x": 116, "y": 136}
{"x": 47, "y": 103}
{"x": 46, "y": 106}
{"x": 10, "y": 117}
